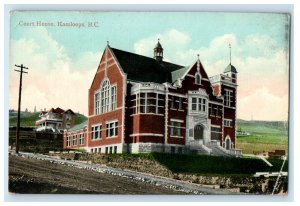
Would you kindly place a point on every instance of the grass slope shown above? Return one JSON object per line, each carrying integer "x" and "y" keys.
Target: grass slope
{"x": 208, "y": 165}
{"x": 265, "y": 136}
{"x": 28, "y": 119}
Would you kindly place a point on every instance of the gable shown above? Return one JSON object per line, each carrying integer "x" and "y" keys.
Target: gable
{"x": 107, "y": 60}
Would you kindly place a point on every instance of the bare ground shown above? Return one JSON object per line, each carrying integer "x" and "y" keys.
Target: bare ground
{"x": 32, "y": 176}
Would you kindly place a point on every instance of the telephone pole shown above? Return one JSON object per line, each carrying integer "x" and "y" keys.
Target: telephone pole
{"x": 19, "y": 104}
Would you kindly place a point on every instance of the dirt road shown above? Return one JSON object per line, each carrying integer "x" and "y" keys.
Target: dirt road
{"x": 32, "y": 176}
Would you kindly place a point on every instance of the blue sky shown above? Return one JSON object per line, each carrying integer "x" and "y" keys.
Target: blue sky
{"x": 57, "y": 55}
{"x": 201, "y": 28}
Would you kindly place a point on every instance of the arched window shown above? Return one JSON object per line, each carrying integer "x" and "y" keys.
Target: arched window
{"x": 105, "y": 90}
{"x": 197, "y": 78}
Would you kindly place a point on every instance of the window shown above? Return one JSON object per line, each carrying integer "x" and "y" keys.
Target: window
{"x": 113, "y": 97}
{"x": 227, "y": 122}
{"x": 144, "y": 103}
{"x": 97, "y": 103}
{"x": 105, "y": 96}
{"x": 110, "y": 150}
{"x": 81, "y": 139}
{"x": 111, "y": 129}
{"x": 215, "y": 110}
{"x": 115, "y": 149}
{"x": 92, "y": 150}
{"x": 180, "y": 103}
{"x": 228, "y": 98}
{"x": 172, "y": 102}
{"x": 197, "y": 78}
{"x": 198, "y": 104}
{"x": 74, "y": 140}
{"x": 99, "y": 150}
{"x": 147, "y": 103}
{"x": 194, "y": 104}
{"x": 68, "y": 117}
{"x": 106, "y": 150}
{"x": 156, "y": 104}
{"x": 175, "y": 128}
{"x": 215, "y": 133}
{"x": 68, "y": 141}
{"x": 96, "y": 132}
{"x": 201, "y": 105}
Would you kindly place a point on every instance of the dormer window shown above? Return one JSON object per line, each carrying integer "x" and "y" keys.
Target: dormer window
{"x": 197, "y": 78}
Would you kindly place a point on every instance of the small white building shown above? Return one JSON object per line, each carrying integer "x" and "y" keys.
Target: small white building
{"x": 55, "y": 120}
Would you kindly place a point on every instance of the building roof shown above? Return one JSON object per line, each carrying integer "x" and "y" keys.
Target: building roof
{"x": 145, "y": 69}
{"x": 178, "y": 74}
{"x": 57, "y": 110}
{"x": 69, "y": 111}
{"x": 79, "y": 126}
{"x": 158, "y": 45}
{"x": 230, "y": 68}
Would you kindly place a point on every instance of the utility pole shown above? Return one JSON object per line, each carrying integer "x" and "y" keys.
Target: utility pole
{"x": 19, "y": 104}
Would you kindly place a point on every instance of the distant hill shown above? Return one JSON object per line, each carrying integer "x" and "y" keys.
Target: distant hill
{"x": 263, "y": 136}
{"x": 255, "y": 126}
{"x": 28, "y": 119}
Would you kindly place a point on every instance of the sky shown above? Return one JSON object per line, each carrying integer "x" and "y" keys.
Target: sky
{"x": 62, "y": 60}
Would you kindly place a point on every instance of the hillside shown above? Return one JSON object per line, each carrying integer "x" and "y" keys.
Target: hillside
{"x": 28, "y": 119}
{"x": 264, "y": 136}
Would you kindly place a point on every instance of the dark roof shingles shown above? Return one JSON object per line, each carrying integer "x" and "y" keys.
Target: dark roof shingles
{"x": 145, "y": 69}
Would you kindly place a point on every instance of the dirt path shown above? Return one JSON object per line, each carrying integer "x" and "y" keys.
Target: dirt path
{"x": 33, "y": 176}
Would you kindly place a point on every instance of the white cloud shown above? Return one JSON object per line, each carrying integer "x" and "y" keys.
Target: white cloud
{"x": 173, "y": 40}
{"x": 54, "y": 79}
{"x": 263, "y": 105}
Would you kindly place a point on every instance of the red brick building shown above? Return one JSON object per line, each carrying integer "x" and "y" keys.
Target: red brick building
{"x": 141, "y": 104}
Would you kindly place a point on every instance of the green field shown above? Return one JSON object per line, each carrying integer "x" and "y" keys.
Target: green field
{"x": 28, "y": 119}
{"x": 265, "y": 136}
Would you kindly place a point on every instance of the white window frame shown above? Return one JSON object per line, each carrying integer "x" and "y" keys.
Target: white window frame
{"x": 94, "y": 131}
{"x": 175, "y": 128}
{"x": 105, "y": 96}
{"x": 112, "y": 126}
{"x": 227, "y": 98}
{"x": 215, "y": 132}
{"x": 113, "y": 97}
{"x": 156, "y": 104}
{"x": 198, "y": 104}
{"x": 180, "y": 103}
{"x": 227, "y": 123}
{"x": 81, "y": 138}
{"x": 97, "y": 103}
{"x": 172, "y": 106}
{"x": 74, "y": 139}
{"x": 68, "y": 141}
{"x": 145, "y": 106}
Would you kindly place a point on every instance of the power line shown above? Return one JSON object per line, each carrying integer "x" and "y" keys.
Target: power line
{"x": 19, "y": 104}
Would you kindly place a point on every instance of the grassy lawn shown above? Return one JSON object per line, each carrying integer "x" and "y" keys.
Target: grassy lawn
{"x": 208, "y": 165}
{"x": 265, "y": 136}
